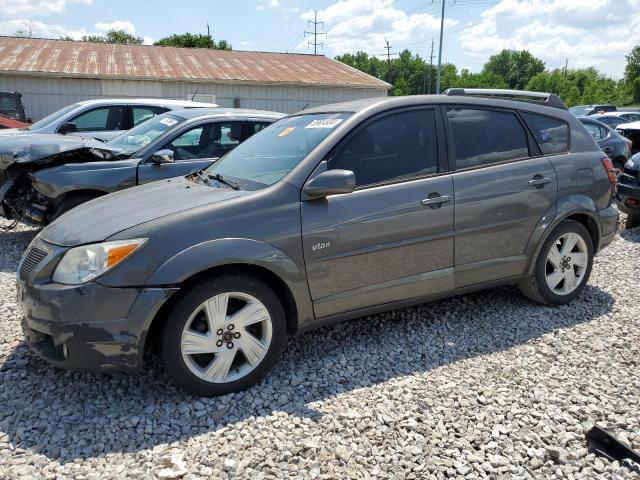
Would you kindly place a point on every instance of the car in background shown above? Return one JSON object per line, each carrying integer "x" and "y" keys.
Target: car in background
{"x": 617, "y": 147}
{"x": 333, "y": 213}
{"x": 628, "y": 191}
{"x": 584, "y": 110}
{"x": 631, "y": 131}
{"x": 44, "y": 176}
{"x": 12, "y": 111}
{"x": 613, "y": 119}
{"x": 103, "y": 119}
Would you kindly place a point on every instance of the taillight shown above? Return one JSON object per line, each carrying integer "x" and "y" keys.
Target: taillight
{"x": 612, "y": 173}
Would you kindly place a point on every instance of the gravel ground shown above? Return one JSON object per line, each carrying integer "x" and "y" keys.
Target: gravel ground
{"x": 484, "y": 385}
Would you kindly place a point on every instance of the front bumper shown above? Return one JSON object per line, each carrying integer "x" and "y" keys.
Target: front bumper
{"x": 89, "y": 327}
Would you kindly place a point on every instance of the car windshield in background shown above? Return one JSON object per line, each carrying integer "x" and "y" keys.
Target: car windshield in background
{"x": 580, "y": 111}
{"x": 272, "y": 153}
{"x": 49, "y": 119}
{"x": 139, "y": 137}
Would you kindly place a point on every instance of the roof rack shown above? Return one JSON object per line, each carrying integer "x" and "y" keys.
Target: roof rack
{"x": 548, "y": 99}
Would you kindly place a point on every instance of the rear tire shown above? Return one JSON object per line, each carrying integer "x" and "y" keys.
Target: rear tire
{"x": 223, "y": 335}
{"x": 632, "y": 221}
{"x": 563, "y": 266}
{"x": 72, "y": 201}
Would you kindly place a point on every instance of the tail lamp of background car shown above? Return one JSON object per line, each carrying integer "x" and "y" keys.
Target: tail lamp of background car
{"x": 81, "y": 264}
{"x": 612, "y": 172}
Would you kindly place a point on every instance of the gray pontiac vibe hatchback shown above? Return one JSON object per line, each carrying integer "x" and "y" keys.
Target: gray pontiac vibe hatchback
{"x": 332, "y": 213}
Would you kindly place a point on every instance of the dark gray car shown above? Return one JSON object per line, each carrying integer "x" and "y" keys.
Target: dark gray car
{"x": 44, "y": 176}
{"x": 333, "y": 213}
{"x": 617, "y": 147}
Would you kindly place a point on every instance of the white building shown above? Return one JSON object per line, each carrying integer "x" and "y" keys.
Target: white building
{"x": 53, "y": 73}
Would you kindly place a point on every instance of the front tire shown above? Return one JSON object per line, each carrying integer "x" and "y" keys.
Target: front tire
{"x": 223, "y": 335}
{"x": 71, "y": 202}
{"x": 563, "y": 265}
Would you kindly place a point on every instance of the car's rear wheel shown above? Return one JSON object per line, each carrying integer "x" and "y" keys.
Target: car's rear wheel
{"x": 223, "y": 335}
{"x": 563, "y": 265}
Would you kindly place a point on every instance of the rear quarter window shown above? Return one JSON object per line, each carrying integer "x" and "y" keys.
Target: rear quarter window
{"x": 482, "y": 137}
{"x": 551, "y": 134}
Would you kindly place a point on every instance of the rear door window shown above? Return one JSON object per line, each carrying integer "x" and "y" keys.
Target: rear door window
{"x": 594, "y": 130}
{"x": 101, "y": 119}
{"x": 395, "y": 147}
{"x": 143, "y": 113}
{"x": 482, "y": 137}
{"x": 551, "y": 134}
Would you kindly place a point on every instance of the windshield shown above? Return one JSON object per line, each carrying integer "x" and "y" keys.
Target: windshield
{"x": 272, "y": 153}
{"x": 139, "y": 137}
{"x": 49, "y": 119}
{"x": 580, "y": 111}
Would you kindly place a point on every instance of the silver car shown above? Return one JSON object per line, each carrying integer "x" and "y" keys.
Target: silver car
{"x": 105, "y": 118}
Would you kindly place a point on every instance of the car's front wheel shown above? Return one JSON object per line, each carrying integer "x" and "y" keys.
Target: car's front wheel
{"x": 223, "y": 335}
{"x": 563, "y": 265}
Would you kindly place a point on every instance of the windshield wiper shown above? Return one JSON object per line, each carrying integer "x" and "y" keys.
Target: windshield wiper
{"x": 226, "y": 181}
{"x": 202, "y": 177}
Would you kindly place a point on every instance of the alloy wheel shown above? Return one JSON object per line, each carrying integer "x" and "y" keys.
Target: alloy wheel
{"x": 566, "y": 264}
{"x": 226, "y": 337}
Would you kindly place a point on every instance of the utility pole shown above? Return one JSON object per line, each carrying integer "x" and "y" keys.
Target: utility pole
{"x": 430, "y": 68}
{"x": 566, "y": 67}
{"x": 208, "y": 32}
{"x": 388, "y": 54}
{"x": 315, "y": 32}
{"x": 440, "y": 46}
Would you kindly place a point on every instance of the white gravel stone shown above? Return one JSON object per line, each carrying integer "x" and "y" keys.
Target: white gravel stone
{"x": 482, "y": 385}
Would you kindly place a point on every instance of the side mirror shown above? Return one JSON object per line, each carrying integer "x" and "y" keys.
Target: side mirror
{"x": 331, "y": 182}
{"x": 67, "y": 128}
{"x": 162, "y": 157}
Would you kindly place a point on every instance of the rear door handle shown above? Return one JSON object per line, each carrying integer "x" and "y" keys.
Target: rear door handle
{"x": 539, "y": 182}
{"x": 434, "y": 201}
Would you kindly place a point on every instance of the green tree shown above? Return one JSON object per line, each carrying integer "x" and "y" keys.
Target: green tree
{"x": 113, "y": 36}
{"x": 513, "y": 67}
{"x": 632, "y": 69}
{"x": 191, "y": 40}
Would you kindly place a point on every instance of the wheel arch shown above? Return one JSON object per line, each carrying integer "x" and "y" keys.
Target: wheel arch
{"x": 239, "y": 256}
{"x": 579, "y": 208}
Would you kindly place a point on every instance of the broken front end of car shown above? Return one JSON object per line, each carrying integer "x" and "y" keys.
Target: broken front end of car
{"x": 24, "y": 155}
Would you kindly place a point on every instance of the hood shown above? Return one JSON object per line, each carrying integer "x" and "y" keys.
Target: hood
{"x": 104, "y": 217}
{"x": 40, "y": 148}
{"x": 629, "y": 126}
{"x": 12, "y": 131}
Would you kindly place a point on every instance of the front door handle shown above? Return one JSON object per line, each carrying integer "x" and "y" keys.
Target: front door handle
{"x": 436, "y": 200}
{"x": 539, "y": 181}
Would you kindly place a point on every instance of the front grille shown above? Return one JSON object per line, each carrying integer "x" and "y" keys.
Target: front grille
{"x": 30, "y": 261}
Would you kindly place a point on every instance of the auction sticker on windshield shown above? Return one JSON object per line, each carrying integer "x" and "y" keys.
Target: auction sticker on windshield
{"x": 169, "y": 122}
{"x": 327, "y": 123}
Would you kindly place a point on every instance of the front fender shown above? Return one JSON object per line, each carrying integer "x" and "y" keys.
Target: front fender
{"x": 56, "y": 181}
{"x": 564, "y": 208}
{"x": 242, "y": 251}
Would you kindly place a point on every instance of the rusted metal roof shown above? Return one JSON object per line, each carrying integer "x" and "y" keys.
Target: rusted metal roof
{"x": 146, "y": 62}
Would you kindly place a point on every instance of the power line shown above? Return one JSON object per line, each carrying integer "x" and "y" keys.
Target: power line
{"x": 315, "y": 32}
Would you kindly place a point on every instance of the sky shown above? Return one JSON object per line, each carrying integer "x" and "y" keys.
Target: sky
{"x": 581, "y": 32}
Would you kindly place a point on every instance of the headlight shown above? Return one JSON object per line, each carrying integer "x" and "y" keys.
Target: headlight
{"x": 81, "y": 264}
